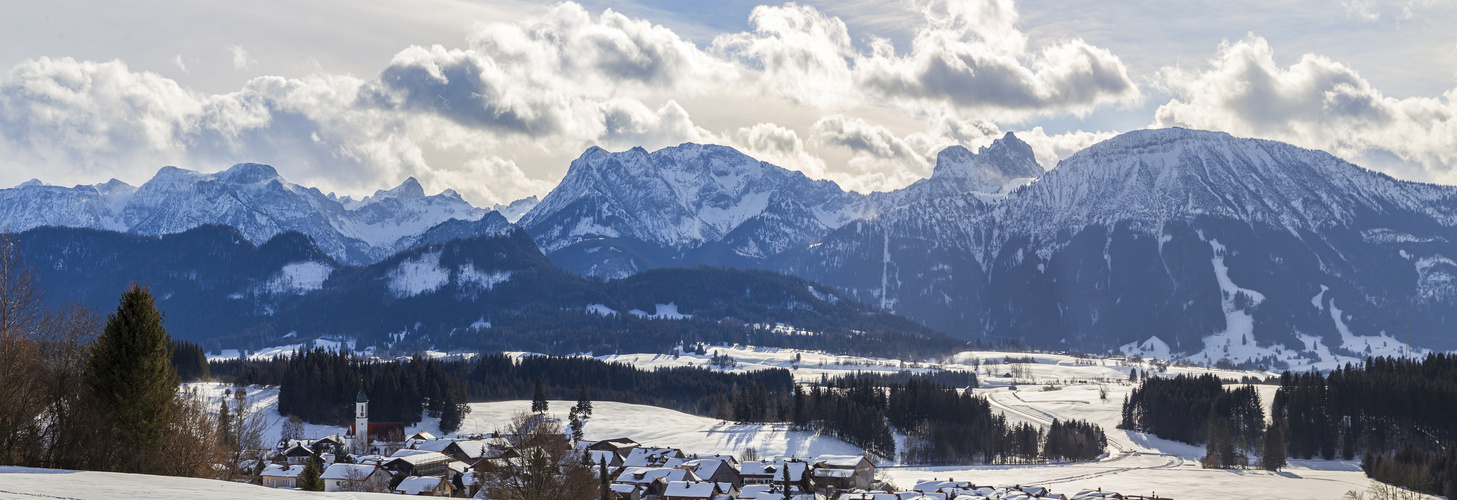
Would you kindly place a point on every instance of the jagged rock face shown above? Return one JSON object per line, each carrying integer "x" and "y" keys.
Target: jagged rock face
{"x": 253, "y": 198}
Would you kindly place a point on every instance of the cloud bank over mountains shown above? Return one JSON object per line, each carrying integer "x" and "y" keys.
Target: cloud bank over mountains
{"x": 498, "y": 117}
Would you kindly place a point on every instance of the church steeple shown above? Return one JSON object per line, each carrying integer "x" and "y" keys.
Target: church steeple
{"x": 361, "y": 423}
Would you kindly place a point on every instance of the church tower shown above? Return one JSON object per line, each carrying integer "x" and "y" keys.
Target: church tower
{"x": 361, "y": 423}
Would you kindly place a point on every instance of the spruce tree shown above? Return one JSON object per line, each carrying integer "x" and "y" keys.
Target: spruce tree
{"x": 584, "y": 401}
{"x": 1274, "y": 455}
{"x": 602, "y": 476}
{"x": 787, "y": 494}
{"x": 130, "y": 372}
{"x": 309, "y": 480}
{"x": 538, "y": 398}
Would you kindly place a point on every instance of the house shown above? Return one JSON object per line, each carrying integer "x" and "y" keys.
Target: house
{"x": 281, "y": 475}
{"x": 715, "y": 469}
{"x": 622, "y": 446}
{"x": 1098, "y": 494}
{"x": 846, "y": 472}
{"x": 650, "y": 457}
{"x": 654, "y": 480}
{"x": 761, "y": 472}
{"x": 773, "y": 492}
{"x": 428, "y": 486}
{"x": 622, "y": 491}
{"x": 691, "y": 490}
{"x": 418, "y": 463}
{"x": 611, "y": 457}
{"x": 467, "y": 450}
{"x": 869, "y": 495}
{"x": 423, "y": 436}
{"x": 297, "y": 454}
{"x": 939, "y": 486}
{"x": 355, "y": 477}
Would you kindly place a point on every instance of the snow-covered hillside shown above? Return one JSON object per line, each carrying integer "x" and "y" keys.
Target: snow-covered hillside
{"x": 27, "y": 483}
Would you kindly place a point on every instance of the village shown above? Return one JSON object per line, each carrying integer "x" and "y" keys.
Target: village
{"x": 379, "y": 457}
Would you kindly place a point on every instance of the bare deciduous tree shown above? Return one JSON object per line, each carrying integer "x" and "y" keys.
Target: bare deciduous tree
{"x": 548, "y": 468}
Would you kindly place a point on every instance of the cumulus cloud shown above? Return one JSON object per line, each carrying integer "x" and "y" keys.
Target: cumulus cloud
{"x": 969, "y": 55}
{"x": 778, "y": 145}
{"x": 1315, "y": 103}
{"x": 520, "y": 95}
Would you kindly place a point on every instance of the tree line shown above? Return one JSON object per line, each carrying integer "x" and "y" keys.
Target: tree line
{"x": 1199, "y": 410}
{"x": 1396, "y": 413}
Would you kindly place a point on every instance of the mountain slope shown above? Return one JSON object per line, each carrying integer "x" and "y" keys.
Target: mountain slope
{"x": 1212, "y": 247}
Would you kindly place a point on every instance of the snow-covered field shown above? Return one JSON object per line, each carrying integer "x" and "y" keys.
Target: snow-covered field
{"x": 30, "y": 484}
{"x": 653, "y": 426}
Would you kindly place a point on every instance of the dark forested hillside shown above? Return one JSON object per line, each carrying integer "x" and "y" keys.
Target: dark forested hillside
{"x": 490, "y": 292}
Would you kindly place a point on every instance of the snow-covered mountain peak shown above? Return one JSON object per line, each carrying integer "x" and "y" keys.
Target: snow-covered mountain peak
{"x": 248, "y": 173}
{"x": 410, "y": 188}
{"x": 515, "y": 210}
{"x": 1147, "y": 177}
{"x": 32, "y": 182}
{"x": 1006, "y": 158}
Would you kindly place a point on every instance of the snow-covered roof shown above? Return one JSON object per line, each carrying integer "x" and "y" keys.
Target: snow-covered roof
{"x": 426, "y": 435}
{"x": 643, "y": 457}
{"x": 417, "y": 457}
{"x": 284, "y": 470}
{"x": 690, "y": 489}
{"x": 342, "y": 471}
{"x": 838, "y": 473}
{"x": 841, "y": 461}
{"x": 433, "y": 445}
{"x": 415, "y": 485}
{"x": 598, "y": 456}
{"x": 644, "y": 475}
{"x": 933, "y": 485}
{"x": 473, "y": 448}
{"x": 623, "y": 488}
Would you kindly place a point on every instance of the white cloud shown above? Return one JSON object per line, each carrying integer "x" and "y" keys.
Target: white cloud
{"x": 241, "y": 59}
{"x": 778, "y": 145}
{"x": 1315, "y": 103}
{"x": 177, "y": 61}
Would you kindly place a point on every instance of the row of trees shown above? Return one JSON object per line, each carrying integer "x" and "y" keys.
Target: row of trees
{"x": 320, "y": 387}
{"x": 1394, "y": 412}
{"x": 1199, "y": 410}
{"x": 80, "y": 393}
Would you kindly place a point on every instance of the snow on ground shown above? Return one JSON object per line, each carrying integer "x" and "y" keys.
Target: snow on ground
{"x": 419, "y": 275}
{"x": 299, "y": 277}
{"x": 653, "y": 426}
{"x": 27, "y": 483}
{"x": 664, "y": 311}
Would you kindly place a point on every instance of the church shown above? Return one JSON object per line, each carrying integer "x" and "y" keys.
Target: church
{"x": 365, "y": 438}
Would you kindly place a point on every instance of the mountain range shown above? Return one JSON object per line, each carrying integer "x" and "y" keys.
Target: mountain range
{"x": 1169, "y": 242}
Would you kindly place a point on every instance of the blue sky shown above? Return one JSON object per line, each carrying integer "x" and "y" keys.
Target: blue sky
{"x": 494, "y": 99}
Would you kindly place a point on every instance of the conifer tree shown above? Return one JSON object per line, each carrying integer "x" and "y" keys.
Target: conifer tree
{"x": 225, "y": 423}
{"x": 787, "y": 495}
{"x": 602, "y": 476}
{"x": 584, "y": 401}
{"x": 309, "y": 479}
{"x": 1273, "y": 457}
{"x": 131, "y": 374}
{"x": 538, "y": 398}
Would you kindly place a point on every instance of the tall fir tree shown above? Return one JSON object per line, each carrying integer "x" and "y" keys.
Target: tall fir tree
{"x": 604, "y": 478}
{"x": 309, "y": 479}
{"x": 538, "y": 398}
{"x": 130, "y": 372}
{"x": 787, "y": 494}
{"x": 1273, "y": 457}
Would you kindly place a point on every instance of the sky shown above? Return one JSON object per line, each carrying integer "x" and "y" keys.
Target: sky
{"x": 495, "y": 98}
